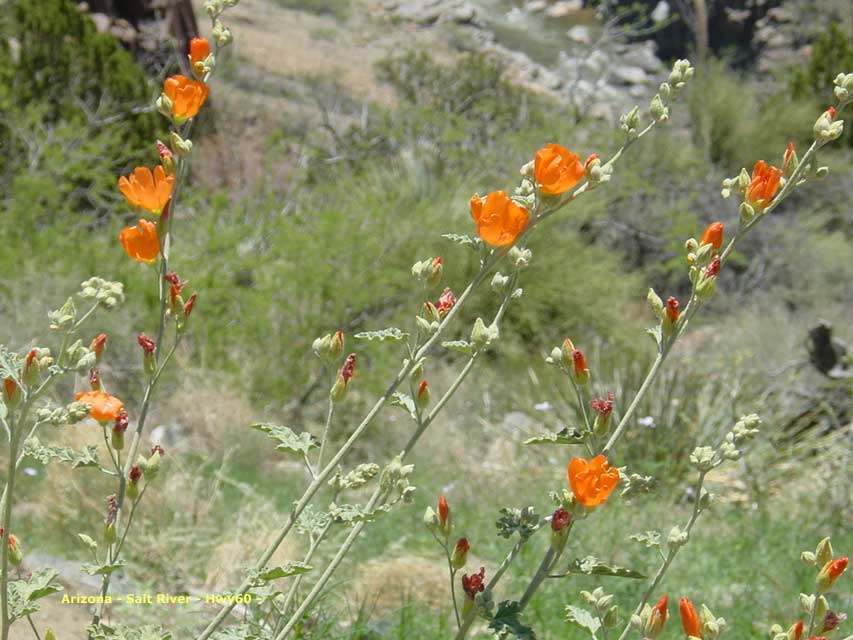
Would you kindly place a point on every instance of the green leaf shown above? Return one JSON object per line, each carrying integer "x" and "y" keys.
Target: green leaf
{"x": 237, "y": 632}
{"x": 391, "y": 333}
{"x": 524, "y": 522}
{"x": 288, "y": 440}
{"x": 565, "y": 436}
{"x": 590, "y": 565}
{"x": 656, "y": 335}
{"x": 283, "y": 571}
{"x": 86, "y": 457}
{"x": 88, "y": 541}
{"x": 122, "y": 632}
{"x": 312, "y": 521}
{"x": 462, "y": 346}
{"x": 23, "y": 594}
{"x": 506, "y": 622}
{"x": 352, "y": 513}
{"x": 103, "y": 569}
{"x": 648, "y": 538}
{"x": 583, "y": 618}
{"x": 405, "y": 401}
{"x": 463, "y": 240}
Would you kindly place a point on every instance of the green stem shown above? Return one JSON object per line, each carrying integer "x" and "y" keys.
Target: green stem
{"x": 6, "y": 524}
{"x": 670, "y": 556}
{"x": 326, "y": 428}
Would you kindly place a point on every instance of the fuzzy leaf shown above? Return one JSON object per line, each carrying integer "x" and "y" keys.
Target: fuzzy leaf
{"x": 103, "y": 569}
{"x": 88, "y": 541}
{"x": 312, "y": 521}
{"x": 462, "y": 346}
{"x": 23, "y": 594}
{"x": 288, "y": 440}
{"x": 506, "y": 622}
{"x": 648, "y": 538}
{"x": 86, "y": 457}
{"x": 521, "y": 521}
{"x": 283, "y": 571}
{"x": 352, "y": 513}
{"x": 656, "y": 335}
{"x": 583, "y": 618}
{"x": 405, "y": 401}
{"x": 123, "y": 632}
{"x": 564, "y": 436}
{"x": 392, "y": 333}
{"x": 590, "y": 565}
{"x": 463, "y": 240}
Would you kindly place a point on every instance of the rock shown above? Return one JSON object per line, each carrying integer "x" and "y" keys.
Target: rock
{"x": 643, "y": 55}
{"x": 564, "y": 8}
{"x": 464, "y": 14}
{"x": 580, "y": 33}
{"x": 629, "y": 75}
{"x": 660, "y": 12}
{"x": 781, "y": 14}
{"x": 601, "y": 111}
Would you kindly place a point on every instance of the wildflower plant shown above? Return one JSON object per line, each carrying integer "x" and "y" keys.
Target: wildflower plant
{"x": 279, "y": 606}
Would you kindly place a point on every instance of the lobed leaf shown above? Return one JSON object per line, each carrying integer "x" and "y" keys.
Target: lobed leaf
{"x": 102, "y": 569}
{"x": 463, "y": 240}
{"x": 86, "y": 457}
{"x": 590, "y": 565}
{"x": 288, "y": 440}
{"x": 583, "y": 618}
{"x": 405, "y": 401}
{"x": 282, "y": 571}
{"x": 391, "y": 333}
{"x": 506, "y": 623}
{"x": 564, "y": 436}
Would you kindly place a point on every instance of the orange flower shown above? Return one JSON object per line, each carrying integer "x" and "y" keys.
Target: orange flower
{"x": 557, "y": 169}
{"x": 499, "y": 220}
{"x": 141, "y": 242}
{"x": 713, "y": 235}
{"x": 830, "y": 573}
{"x": 187, "y": 96}
{"x": 146, "y": 189}
{"x": 689, "y": 619}
{"x": 443, "y": 510}
{"x": 592, "y": 482}
{"x": 105, "y": 408}
{"x": 764, "y": 185}
{"x": 199, "y": 50}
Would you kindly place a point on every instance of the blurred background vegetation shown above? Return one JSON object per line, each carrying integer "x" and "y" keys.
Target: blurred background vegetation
{"x": 315, "y": 187}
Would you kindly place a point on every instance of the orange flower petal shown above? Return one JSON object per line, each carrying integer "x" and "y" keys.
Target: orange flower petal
{"x": 104, "y": 406}
{"x": 141, "y": 242}
{"x": 557, "y": 169}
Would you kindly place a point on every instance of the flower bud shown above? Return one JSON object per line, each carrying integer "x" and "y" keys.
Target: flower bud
{"x": 580, "y": 367}
{"x": 823, "y": 552}
{"x": 49, "y": 635}
{"x": 428, "y": 272}
{"x": 560, "y": 521}
{"x": 630, "y": 122}
{"x": 830, "y": 573}
{"x": 444, "y": 516}
{"x": 98, "y": 345}
{"x": 826, "y": 128}
{"x": 689, "y": 619}
{"x": 520, "y": 258}
{"x": 611, "y": 619}
{"x": 179, "y": 145}
{"x": 659, "y": 112}
{"x": 499, "y": 282}
{"x": 655, "y": 303}
{"x": 808, "y": 558}
{"x": 422, "y": 398}
{"x": 339, "y": 389}
{"x": 713, "y": 235}
{"x": 133, "y": 482}
{"x": 795, "y": 632}
{"x": 747, "y": 213}
{"x": 119, "y": 428}
{"x": 167, "y": 159}
{"x": 149, "y": 362}
{"x": 430, "y": 520}
{"x": 789, "y": 161}
{"x": 673, "y": 311}
{"x": 164, "y": 105}
{"x": 16, "y": 552}
{"x": 656, "y": 620}
{"x": 481, "y": 335}
{"x": 11, "y": 393}
{"x": 830, "y": 622}
{"x": 221, "y": 34}
{"x": 603, "y": 407}
{"x": 430, "y": 313}
{"x": 843, "y": 87}
{"x": 460, "y": 554}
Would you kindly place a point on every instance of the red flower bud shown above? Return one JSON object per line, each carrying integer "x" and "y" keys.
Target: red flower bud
{"x": 348, "y": 370}
{"x": 475, "y": 583}
{"x": 188, "y": 307}
{"x": 713, "y": 235}
{"x": 713, "y": 268}
{"x": 443, "y": 510}
{"x": 560, "y": 519}
{"x": 689, "y": 619}
{"x": 158, "y": 449}
{"x": 581, "y": 368}
{"x": 146, "y": 343}
{"x": 135, "y": 474}
{"x": 445, "y": 302}
{"x": 460, "y": 553}
{"x": 98, "y": 344}
{"x": 672, "y": 309}
{"x": 121, "y": 422}
{"x": 602, "y": 406}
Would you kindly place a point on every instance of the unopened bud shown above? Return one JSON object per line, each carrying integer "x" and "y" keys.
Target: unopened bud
{"x": 422, "y": 398}
{"x": 460, "y": 554}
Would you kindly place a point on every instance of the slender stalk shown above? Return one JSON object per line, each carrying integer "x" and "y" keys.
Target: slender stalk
{"x": 326, "y": 428}
{"x": 324, "y": 474}
{"x": 379, "y": 494}
{"x": 5, "y": 623}
{"x": 670, "y": 556}
{"x": 33, "y": 627}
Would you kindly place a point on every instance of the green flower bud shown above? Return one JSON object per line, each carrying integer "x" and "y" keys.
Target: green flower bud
{"x": 655, "y": 303}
